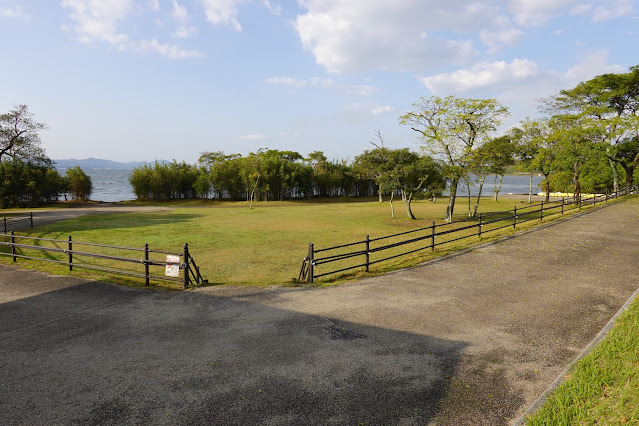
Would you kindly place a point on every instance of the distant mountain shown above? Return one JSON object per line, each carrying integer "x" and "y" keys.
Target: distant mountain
{"x": 96, "y": 163}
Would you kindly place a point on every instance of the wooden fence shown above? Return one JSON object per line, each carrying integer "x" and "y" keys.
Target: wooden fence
{"x": 104, "y": 257}
{"x": 370, "y": 251}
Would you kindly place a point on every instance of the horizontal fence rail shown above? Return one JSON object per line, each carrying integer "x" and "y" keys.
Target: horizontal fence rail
{"x": 359, "y": 254}
{"x": 81, "y": 254}
{"x": 13, "y": 223}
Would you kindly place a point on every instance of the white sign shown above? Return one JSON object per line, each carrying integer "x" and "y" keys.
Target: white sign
{"x": 172, "y": 266}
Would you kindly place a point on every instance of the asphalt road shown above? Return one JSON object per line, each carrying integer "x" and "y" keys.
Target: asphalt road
{"x": 472, "y": 338}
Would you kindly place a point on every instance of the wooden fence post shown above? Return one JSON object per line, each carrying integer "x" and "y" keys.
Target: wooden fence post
{"x": 186, "y": 265}
{"x": 311, "y": 261}
{"x": 515, "y": 217}
{"x": 562, "y": 205}
{"x": 146, "y": 264}
{"x": 479, "y": 226}
{"x": 31, "y": 216}
{"x": 13, "y": 247}
{"x": 70, "y": 249}
{"x": 432, "y": 238}
{"x": 4, "y": 220}
{"x": 368, "y": 241}
{"x": 541, "y": 214}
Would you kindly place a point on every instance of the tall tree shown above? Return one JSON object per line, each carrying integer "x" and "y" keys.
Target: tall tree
{"x": 609, "y": 104}
{"x": 450, "y": 128}
{"x": 19, "y": 135}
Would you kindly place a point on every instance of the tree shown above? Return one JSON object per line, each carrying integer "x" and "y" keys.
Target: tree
{"x": 401, "y": 171}
{"x": 574, "y": 149}
{"x": 492, "y": 158}
{"x": 374, "y": 164}
{"x": 450, "y": 128}
{"x": 79, "y": 184}
{"x": 19, "y": 135}
{"x": 609, "y": 105}
{"x": 627, "y": 155}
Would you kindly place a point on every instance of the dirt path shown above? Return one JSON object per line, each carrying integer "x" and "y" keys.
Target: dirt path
{"x": 472, "y": 338}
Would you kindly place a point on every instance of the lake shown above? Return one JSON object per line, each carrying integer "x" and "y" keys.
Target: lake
{"x": 113, "y": 185}
{"x": 110, "y": 185}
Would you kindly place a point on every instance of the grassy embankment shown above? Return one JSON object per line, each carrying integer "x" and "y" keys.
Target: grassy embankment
{"x": 603, "y": 387}
{"x": 234, "y": 244}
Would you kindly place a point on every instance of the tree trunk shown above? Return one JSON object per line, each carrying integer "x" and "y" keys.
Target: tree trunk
{"x": 615, "y": 175}
{"x": 408, "y": 209}
{"x": 576, "y": 172}
{"x": 547, "y": 187}
{"x": 391, "y": 205}
{"x": 629, "y": 178}
{"x": 379, "y": 193}
{"x": 530, "y": 190}
{"x": 451, "y": 200}
{"x": 501, "y": 178}
{"x": 468, "y": 190}
{"x": 481, "y": 186}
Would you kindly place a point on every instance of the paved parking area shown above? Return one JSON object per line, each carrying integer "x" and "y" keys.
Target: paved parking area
{"x": 472, "y": 338}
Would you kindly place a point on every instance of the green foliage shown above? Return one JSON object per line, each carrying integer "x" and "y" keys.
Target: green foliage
{"x": 166, "y": 181}
{"x": 27, "y": 175}
{"x": 78, "y": 184}
{"x": 28, "y": 184}
{"x": 19, "y": 138}
{"x": 450, "y": 128}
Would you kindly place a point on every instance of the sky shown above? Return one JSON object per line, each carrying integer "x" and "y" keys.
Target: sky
{"x": 142, "y": 80}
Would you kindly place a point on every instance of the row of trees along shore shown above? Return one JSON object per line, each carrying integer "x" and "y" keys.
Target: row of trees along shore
{"x": 586, "y": 139}
{"x": 28, "y": 177}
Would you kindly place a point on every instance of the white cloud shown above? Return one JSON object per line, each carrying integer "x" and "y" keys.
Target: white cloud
{"x": 169, "y": 51}
{"x": 290, "y": 134}
{"x": 326, "y": 83}
{"x": 384, "y": 109}
{"x": 181, "y": 15}
{"x": 482, "y": 75}
{"x": 154, "y": 5}
{"x": 403, "y": 35}
{"x": 581, "y": 9}
{"x": 536, "y": 13}
{"x": 14, "y": 13}
{"x": 519, "y": 84}
{"x": 222, "y": 12}
{"x": 273, "y": 9}
{"x": 253, "y": 137}
{"x": 612, "y": 10}
{"x": 99, "y": 21}
{"x": 286, "y": 81}
{"x": 497, "y": 39}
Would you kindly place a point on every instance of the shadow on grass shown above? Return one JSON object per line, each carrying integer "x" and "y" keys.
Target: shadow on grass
{"x": 93, "y": 222}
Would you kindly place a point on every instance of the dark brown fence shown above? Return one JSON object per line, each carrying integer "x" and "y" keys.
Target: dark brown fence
{"x": 13, "y": 223}
{"x": 103, "y": 257}
{"x": 370, "y": 251}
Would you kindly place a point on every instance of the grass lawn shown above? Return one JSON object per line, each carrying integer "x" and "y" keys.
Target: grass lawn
{"x": 266, "y": 245}
{"x": 603, "y": 387}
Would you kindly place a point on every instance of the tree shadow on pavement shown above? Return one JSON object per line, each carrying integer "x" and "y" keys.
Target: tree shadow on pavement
{"x": 99, "y": 353}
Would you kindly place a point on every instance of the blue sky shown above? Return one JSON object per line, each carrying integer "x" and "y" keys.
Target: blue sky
{"x": 169, "y": 79}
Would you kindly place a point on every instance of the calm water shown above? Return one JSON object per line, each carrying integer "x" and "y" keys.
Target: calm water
{"x": 109, "y": 185}
{"x": 113, "y": 185}
{"x": 510, "y": 185}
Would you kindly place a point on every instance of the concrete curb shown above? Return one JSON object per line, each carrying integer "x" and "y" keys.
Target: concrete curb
{"x": 560, "y": 379}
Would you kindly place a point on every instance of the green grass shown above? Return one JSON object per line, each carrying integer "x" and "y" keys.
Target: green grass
{"x": 603, "y": 387}
{"x": 266, "y": 245}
